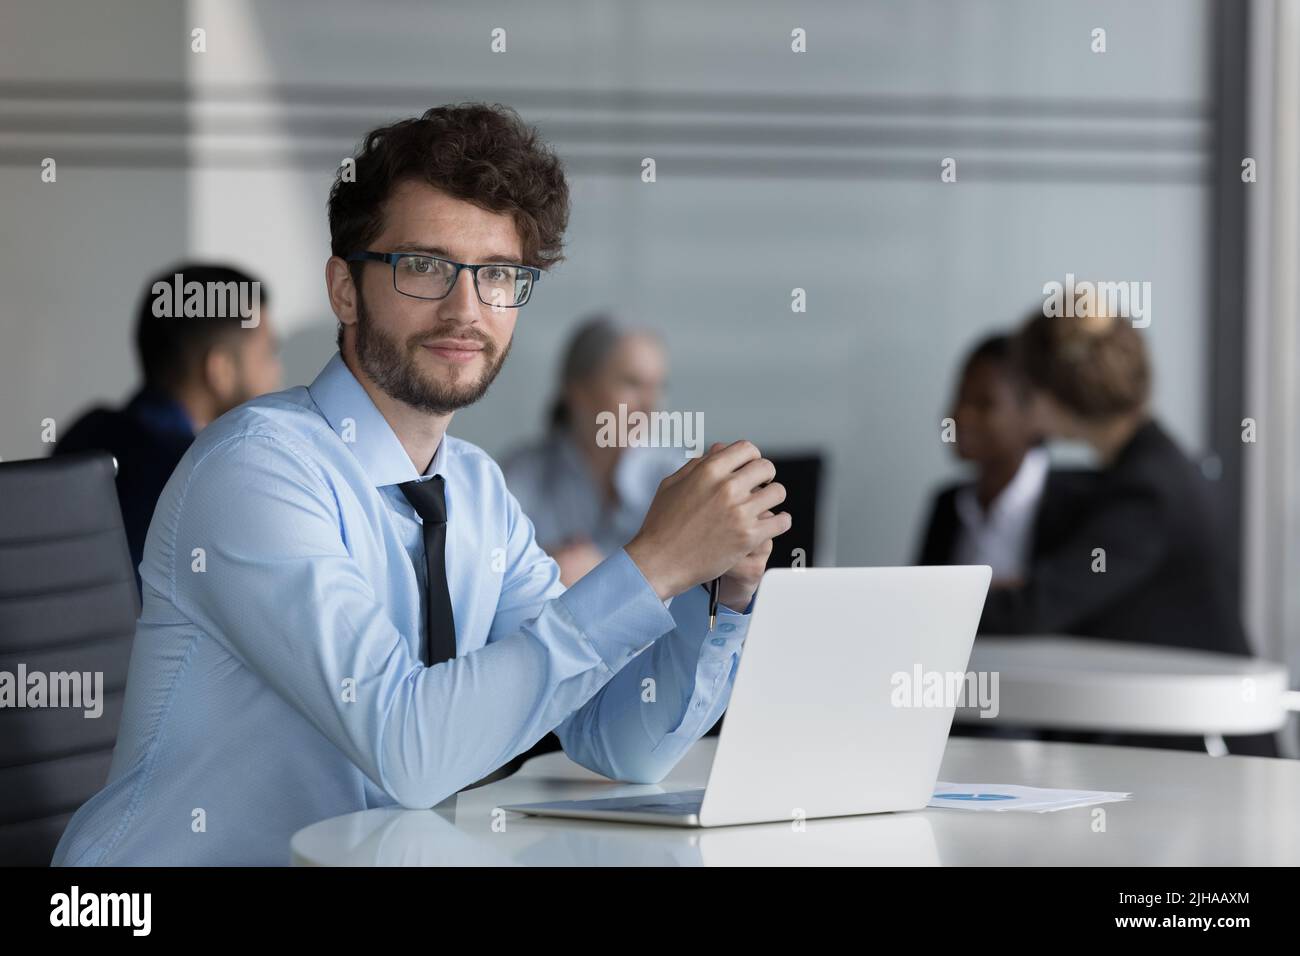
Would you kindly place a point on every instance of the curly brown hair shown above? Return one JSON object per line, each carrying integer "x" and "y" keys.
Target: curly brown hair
{"x": 483, "y": 153}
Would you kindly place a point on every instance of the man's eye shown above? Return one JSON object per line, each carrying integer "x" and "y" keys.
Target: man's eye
{"x": 496, "y": 274}
{"x": 420, "y": 265}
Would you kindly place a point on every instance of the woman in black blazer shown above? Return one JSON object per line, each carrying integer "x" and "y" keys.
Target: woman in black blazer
{"x": 1139, "y": 561}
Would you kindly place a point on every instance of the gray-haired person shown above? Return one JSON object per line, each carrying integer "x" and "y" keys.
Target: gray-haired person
{"x": 586, "y": 495}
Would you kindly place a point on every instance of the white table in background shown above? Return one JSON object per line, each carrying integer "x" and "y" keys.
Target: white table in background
{"x": 1187, "y": 809}
{"x": 1085, "y": 684}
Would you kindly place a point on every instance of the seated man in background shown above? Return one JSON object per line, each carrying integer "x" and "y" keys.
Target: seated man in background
{"x": 196, "y": 368}
{"x": 587, "y": 499}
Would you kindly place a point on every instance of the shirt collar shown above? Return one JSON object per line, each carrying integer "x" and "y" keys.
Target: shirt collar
{"x": 1024, "y": 489}
{"x": 1027, "y": 486}
{"x": 350, "y": 412}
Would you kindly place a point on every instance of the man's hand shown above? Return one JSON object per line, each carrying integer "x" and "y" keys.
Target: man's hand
{"x": 710, "y": 518}
{"x": 740, "y": 583}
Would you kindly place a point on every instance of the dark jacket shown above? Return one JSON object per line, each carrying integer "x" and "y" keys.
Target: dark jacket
{"x": 1165, "y": 580}
{"x": 1063, "y": 494}
{"x": 147, "y": 436}
{"x": 1149, "y": 517}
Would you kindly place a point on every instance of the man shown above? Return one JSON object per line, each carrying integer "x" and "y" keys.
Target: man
{"x": 197, "y": 365}
{"x": 345, "y": 608}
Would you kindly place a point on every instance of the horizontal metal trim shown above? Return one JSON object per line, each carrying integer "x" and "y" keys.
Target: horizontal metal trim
{"x": 653, "y": 135}
{"x": 1155, "y": 172}
{"x": 803, "y": 104}
{"x": 1117, "y": 141}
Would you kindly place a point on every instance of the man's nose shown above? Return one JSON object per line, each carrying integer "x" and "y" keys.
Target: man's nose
{"x": 462, "y": 302}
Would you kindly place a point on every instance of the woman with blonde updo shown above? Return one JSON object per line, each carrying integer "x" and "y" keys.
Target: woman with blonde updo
{"x": 1141, "y": 560}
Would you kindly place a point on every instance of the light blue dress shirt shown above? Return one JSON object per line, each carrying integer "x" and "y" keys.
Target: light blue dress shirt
{"x": 275, "y": 678}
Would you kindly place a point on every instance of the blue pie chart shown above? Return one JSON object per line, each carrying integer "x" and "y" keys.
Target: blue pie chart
{"x": 974, "y": 796}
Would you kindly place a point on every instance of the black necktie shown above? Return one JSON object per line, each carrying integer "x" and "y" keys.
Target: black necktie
{"x": 429, "y": 502}
{"x": 427, "y": 498}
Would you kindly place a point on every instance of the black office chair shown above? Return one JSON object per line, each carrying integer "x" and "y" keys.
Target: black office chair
{"x": 68, "y": 603}
{"x": 803, "y": 475}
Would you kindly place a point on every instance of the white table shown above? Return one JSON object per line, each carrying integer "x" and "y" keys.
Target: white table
{"x": 1083, "y": 684}
{"x": 1187, "y": 809}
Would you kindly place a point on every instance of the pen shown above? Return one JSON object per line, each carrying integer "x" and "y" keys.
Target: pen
{"x": 713, "y": 600}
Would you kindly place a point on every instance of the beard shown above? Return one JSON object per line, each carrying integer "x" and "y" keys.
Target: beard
{"x": 392, "y": 365}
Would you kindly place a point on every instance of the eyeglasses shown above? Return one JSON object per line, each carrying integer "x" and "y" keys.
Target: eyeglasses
{"x": 420, "y": 276}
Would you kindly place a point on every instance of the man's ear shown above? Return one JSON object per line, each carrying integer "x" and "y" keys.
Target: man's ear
{"x": 341, "y": 290}
{"x": 220, "y": 371}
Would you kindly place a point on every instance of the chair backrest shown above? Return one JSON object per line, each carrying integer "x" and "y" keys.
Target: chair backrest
{"x": 68, "y": 608}
{"x": 803, "y": 476}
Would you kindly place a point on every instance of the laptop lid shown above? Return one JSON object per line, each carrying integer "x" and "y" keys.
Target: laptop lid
{"x": 845, "y": 692}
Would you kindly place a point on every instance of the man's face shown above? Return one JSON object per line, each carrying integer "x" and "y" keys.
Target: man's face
{"x": 247, "y": 365}
{"x": 259, "y": 359}
{"x": 436, "y": 355}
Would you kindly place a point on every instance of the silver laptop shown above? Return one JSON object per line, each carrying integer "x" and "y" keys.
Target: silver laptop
{"x": 835, "y": 710}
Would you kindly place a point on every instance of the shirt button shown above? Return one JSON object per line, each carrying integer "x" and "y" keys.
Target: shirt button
{"x": 726, "y": 628}
{"x": 717, "y": 642}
